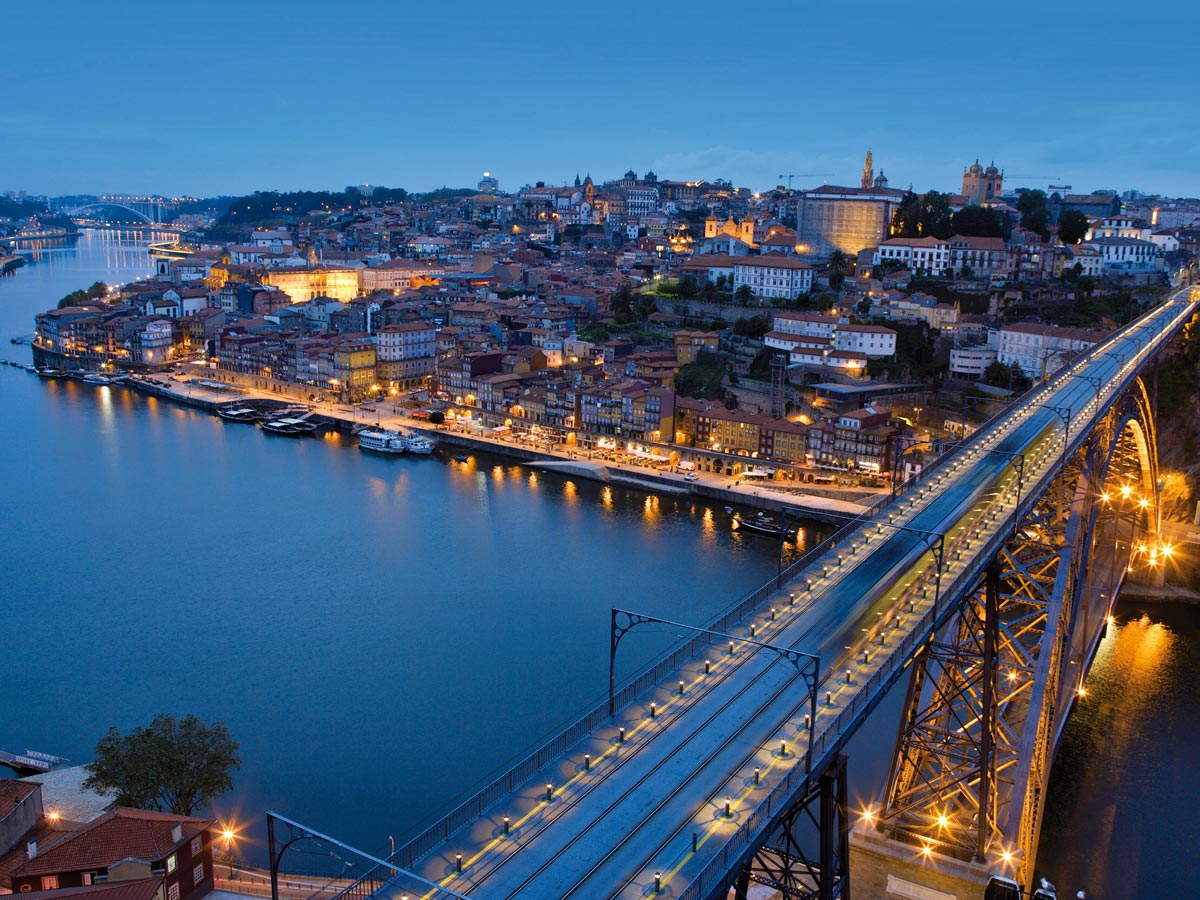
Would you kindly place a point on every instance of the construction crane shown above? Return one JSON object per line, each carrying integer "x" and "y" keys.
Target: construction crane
{"x": 790, "y": 175}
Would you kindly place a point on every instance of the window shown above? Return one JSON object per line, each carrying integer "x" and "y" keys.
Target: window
{"x": 198, "y": 874}
{"x": 173, "y": 891}
{"x": 171, "y": 863}
{"x": 197, "y": 845}
{"x": 49, "y": 882}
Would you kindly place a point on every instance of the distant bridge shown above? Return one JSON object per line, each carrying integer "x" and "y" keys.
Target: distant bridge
{"x": 987, "y": 585}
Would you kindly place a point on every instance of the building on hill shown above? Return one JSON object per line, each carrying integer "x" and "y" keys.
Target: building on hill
{"x": 981, "y": 185}
{"x": 1041, "y": 350}
{"x": 832, "y": 218}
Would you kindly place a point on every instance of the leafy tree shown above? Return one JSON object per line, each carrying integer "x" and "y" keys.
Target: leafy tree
{"x": 98, "y": 290}
{"x": 622, "y": 304}
{"x": 1086, "y": 283}
{"x": 837, "y": 269}
{"x": 437, "y": 417}
{"x": 927, "y": 215}
{"x": 977, "y": 221}
{"x": 743, "y": 295}
{"x": 1034, "y": 213}
{"x": 687, "y": 287}
{"x": 701, "y": 379}
{"x": 904, "y": 217}
{"x": 170, "y": 765}
{"x": 1072, "y": 226}
{"x": 1010, "y": 377}
{"x": 934, "y": 216}
{"x": 754, "y": 327}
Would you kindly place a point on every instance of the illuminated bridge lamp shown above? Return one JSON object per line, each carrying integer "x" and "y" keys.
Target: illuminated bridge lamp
{"x": 728, "y": 807}
{"x": 756, "y": 776}
{"x": 621, "y": 736}
{"x": 458, "y": 862}
{"x": 653, "y": 709}
{"x": 707, "y": 667}
{"x": 549, "y": 792}
{"x": 507, "y": 822}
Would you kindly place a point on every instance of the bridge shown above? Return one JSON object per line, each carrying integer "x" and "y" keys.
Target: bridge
{"x": 987, "y": 586}
{"x": 147, "y": 209}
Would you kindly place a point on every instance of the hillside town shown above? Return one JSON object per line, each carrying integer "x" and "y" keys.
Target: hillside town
{"x": 819, "y": 331}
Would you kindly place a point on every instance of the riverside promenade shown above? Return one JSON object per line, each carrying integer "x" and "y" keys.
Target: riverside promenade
{"x": 222, "y": 389}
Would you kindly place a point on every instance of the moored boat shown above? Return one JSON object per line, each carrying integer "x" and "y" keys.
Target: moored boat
{"x": 291, "y": 427}
{"x": 51, "y": 373}
{"x": 761, "y": 524}
{"x": 379, "y": 440}
{"x": 239, "y": 413}
{"x": 97, "y": 379}
{"x": 417, "y": 443}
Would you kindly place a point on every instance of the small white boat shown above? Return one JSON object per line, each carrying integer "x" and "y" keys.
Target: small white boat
{"x": 417, "y": 443}
{"x": 379, "y": 440}
{"x": 762, "y": 524}
{"x": 96, "y": 379}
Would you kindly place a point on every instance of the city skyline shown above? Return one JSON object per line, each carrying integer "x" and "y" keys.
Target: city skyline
{"x": 255, "y": 100}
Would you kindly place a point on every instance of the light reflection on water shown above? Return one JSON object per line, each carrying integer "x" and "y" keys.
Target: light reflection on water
{"x": 1120, "y": 818}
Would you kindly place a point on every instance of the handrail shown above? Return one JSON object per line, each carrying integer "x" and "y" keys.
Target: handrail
{"x": 669, "y": 661}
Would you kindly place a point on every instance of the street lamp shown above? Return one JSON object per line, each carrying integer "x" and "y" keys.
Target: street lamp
{"x": 229, "y": 839}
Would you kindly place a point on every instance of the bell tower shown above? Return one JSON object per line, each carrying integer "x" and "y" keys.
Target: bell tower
{"x": 868, "y": 175}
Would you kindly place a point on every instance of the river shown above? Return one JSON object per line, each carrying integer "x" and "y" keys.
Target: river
{"x": 380, "y": 634}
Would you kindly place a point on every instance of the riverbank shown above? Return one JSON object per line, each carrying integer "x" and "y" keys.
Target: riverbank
{"x": 202, "y": 393}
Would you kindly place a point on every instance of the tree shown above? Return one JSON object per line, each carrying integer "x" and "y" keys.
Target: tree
{"x": 687, "y": 287}
{"x": 934, "y": 216}
{"x": 743, "y": 295}
{"x": 97, "y": 291}
{"x": 837, "y": 269}
{"x": 1034, "y": 214}
{"x": 171, "y": 765}
{"x": 1072, "y": 226}
{"x": 904, "y": 218}
{"x": 976, "y": 221}
{"x": 437, "y": 417}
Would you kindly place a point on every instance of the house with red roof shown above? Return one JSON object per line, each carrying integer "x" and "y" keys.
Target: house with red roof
{"x": 123, "y": 845}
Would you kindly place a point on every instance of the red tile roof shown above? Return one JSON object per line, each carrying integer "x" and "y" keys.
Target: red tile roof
{"x": 116, "y": 835}
{"x": 13, "y": 792}
{"x": 139, "y": 889}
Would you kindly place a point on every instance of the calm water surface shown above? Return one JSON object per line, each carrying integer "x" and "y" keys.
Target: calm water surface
{"x": 380, "y": 634}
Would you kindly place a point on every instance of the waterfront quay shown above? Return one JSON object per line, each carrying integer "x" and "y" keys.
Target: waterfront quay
{"x": 203, "y": 388}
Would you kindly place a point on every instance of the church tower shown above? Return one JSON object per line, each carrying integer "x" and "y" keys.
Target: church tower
{"x": 868, "y": 175}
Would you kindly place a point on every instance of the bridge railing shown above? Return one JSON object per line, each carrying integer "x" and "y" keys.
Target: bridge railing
{"x": 654, "y": 674}
{"x": 688, "y": 648}
{"x": 832, "y": 738}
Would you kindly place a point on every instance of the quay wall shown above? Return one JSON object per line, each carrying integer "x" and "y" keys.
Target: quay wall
{"x": 748, "y": 496}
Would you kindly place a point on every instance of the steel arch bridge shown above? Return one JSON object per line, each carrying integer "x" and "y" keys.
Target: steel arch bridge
{"x": 986, "y": 585}
{"x": 103, "y": 204}
{"x": 989, "y": 695}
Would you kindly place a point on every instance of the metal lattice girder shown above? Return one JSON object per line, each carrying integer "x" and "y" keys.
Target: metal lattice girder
{"x": 819, "y": 815}
{"x": 988, "y": 696}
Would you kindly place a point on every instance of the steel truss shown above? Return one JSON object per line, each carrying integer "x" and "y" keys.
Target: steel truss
{"x": 989, "y": 695}
{"x": 820, "y": 812}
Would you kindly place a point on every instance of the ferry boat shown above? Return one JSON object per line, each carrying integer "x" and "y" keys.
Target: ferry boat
{"x": 382, "y": 441}
{"x": 97, "y": 379}
{"x": 239, "y": 413}
{"x": 417, "y": 443}
{"x": 762, "y": 524}
{"x": 291, "y": 427}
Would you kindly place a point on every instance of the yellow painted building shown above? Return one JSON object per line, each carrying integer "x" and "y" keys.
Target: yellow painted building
{"x": 354, "y": 364}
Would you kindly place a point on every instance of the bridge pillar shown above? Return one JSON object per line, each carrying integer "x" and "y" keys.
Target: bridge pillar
{"x": 880, "y": 867}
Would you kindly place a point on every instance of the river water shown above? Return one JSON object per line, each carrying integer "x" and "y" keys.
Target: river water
{"x": 380, "y": 634}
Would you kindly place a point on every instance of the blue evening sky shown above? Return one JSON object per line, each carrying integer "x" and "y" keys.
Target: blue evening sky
{"x": 228, "y": 97}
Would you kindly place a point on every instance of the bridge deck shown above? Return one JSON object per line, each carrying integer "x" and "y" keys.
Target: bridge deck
{"x": 608, "y": 828}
